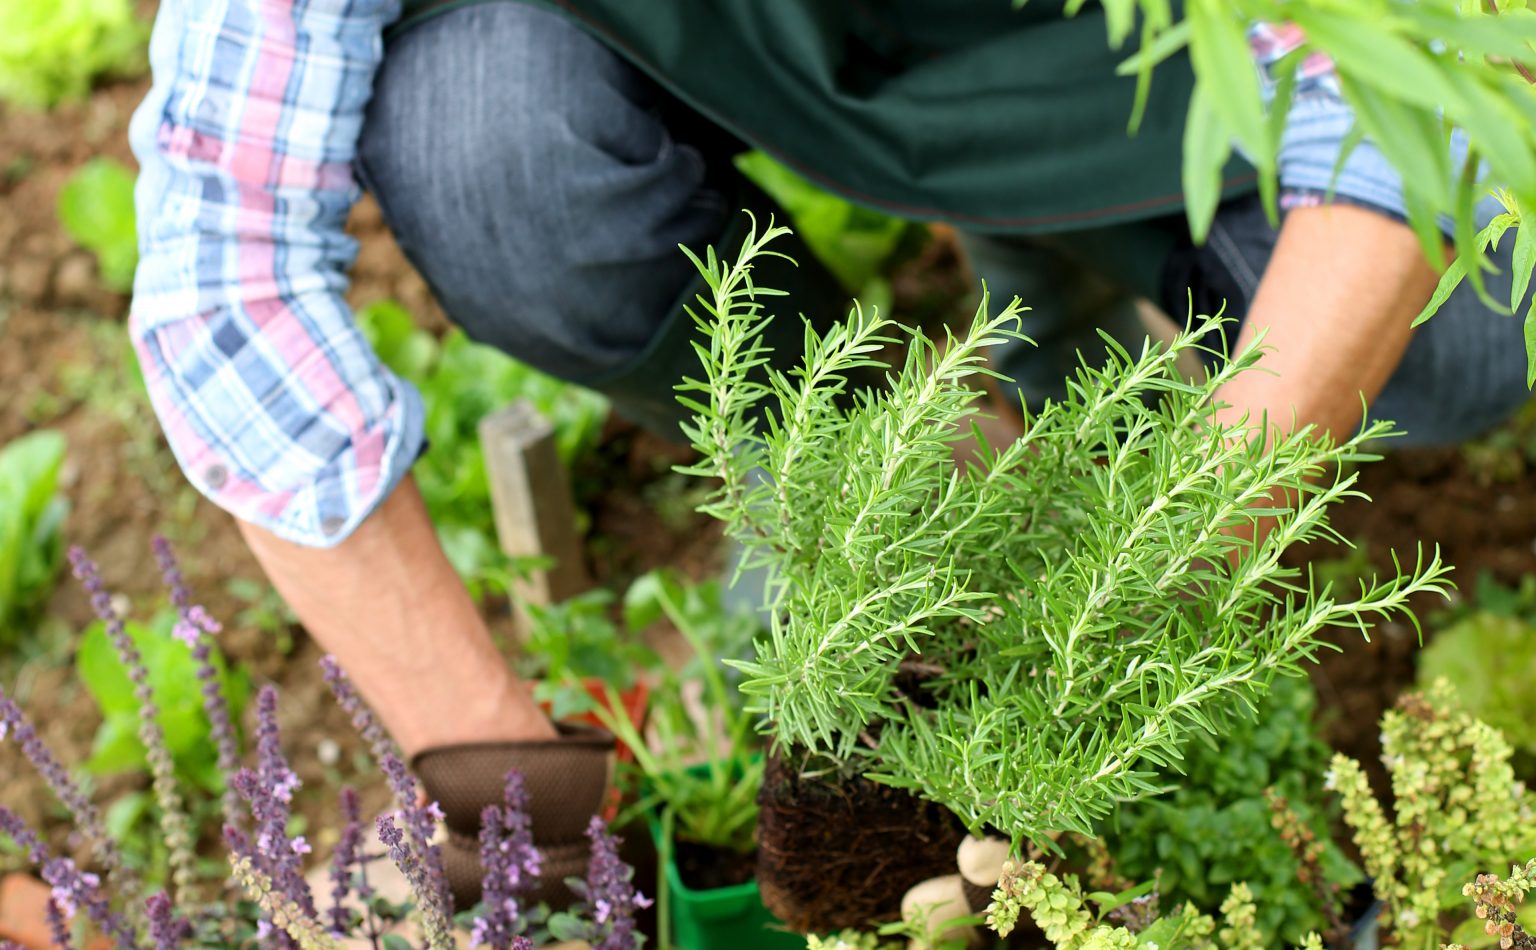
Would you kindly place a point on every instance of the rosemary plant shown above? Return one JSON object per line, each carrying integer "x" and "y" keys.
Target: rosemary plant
{"x": 1076, "y": 604}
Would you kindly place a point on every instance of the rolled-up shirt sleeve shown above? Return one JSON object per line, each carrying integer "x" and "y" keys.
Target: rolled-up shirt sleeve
{"x": 1316, "y": 130}
{"x": 270, "y": 396}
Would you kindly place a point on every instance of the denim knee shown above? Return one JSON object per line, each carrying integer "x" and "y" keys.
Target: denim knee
{"x": 526, "y": 173}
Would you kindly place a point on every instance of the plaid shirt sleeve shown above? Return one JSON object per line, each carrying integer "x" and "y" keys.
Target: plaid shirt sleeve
{"x": 1315, "y": 131}
{"x": 272, "y": 400}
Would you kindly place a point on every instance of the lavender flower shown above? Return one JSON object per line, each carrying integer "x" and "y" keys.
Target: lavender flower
{"x": 352, "y": 704}
{"x": 31, "y": 845}
{"x": 165, "y": 928}
{"x": 87, "y": 818}
{"x": 434, "y": 919}
{"x": 511, "y": 864}
{"x": 611, "y": 893}
{"x": 174, "y": 823}
{"x": 269, "y": 792}
{"x": 58, "y": 928}
{"x": 420, "y": 820}
{"x": 74, "y": 890}
{"x": 346, "y": 859}
{"x": 195, "y": 628}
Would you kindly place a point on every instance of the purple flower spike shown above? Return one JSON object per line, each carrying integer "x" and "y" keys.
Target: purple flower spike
{"x": 611, "y": 892}
{"x": 420, "y": 821}
{"x": 345, "y": 861}
{"x": 58, "y": 928}
{"x": 174, "y": 823}
{"x": 194, "y": 627}
{"x": 165, "y": 928}
{"x": 74, "y": 890}
{"x": 269, "y": 791}
{"x": 87, "y": 819}
{"x": 511, "y": 863}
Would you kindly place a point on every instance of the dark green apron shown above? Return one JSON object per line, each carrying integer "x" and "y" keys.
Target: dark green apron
{"x": 967, "y": 111}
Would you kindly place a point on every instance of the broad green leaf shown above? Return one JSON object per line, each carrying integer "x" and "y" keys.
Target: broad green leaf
{"x": 1522, "y": 262}
{"x": 1409, "y": 138}
{"x": 52, "y": 51}
{"x": 1225, "y": 71}
{"x": 1206, "y": 149}
{"x": 1530, "y": 347}
{"x": 1449, "y": 281}
{"x": 1371, "y": 54}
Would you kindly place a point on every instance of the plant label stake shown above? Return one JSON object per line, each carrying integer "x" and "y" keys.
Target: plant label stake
{"x": 531, "y": 500}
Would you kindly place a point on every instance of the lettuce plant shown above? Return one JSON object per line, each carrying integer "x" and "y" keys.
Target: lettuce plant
{"x": 1021, "y": 639}
{"x": 50, "y": 52}
{"x": 32, "y": 513}
{"x": 96, "y": 208}
{"x": 173, "y": 676}
{"x": 1491, "y": 661}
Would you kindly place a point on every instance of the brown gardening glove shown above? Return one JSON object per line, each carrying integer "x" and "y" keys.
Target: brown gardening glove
{"x": 568, "y": 780}
{"x": 935, "y": 902}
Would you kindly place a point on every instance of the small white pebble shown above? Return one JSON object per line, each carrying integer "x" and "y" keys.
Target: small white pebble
{"x": 328, "y": 752}
{"x": 121, "y": 605}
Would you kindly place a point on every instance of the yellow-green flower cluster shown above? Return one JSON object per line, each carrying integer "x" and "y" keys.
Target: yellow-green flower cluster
{"x": 1456, "y": 799}
{"x": 283, "y": 912}
{"x": 1241, "y": 919}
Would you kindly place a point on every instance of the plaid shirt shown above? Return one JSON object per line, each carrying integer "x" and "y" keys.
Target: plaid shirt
{"x": 271, "y": 399}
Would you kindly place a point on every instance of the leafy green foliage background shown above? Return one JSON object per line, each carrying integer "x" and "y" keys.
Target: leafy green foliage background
{"x": 51, "y": 50}
{"x": 32, "y": 514}
{"x": 1213, "y": 829}
{"x": 177, "y": 692}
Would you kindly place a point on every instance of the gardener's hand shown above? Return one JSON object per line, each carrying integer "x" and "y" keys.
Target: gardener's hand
{"x": 388, "y": 604}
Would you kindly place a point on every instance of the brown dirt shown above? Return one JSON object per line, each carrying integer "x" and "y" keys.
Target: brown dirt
{"x": 703, "y": 868}
{"x": 836, "y": 853}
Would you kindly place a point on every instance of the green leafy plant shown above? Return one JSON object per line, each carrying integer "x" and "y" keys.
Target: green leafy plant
{"x": 854, "y": 243}
{"x": 1213, "y": 828}
{"x": 1411, "y": 69}
{"x": 703, "y": 764}
{"x": 96, "y": 209}
{"x": 576, "y": 643}
{"x": 1078, "y": 604}
{"x": 462, "y": 382}
{"x": 173, "y": 676}
{"x": 51, "y": 52}
{"x": 31, "y": 517}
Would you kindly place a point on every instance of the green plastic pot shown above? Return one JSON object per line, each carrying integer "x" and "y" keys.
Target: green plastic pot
{"x": 722, "y": 917}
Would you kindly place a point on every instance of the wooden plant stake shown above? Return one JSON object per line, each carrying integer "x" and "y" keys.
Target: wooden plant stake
{"x": 531, "y": 500}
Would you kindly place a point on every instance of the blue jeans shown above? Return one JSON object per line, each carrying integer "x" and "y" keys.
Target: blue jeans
{"x": 542, "y": 186}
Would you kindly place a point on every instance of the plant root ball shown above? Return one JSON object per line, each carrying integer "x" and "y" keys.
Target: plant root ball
{"x": 840, "y": 852}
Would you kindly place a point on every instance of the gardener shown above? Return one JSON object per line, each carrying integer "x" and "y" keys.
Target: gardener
{"x": 540, "y": 162}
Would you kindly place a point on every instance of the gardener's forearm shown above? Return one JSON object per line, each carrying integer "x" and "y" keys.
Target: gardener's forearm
{"x": 391, "y": 608}
{"x": 1337, "y": 302}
